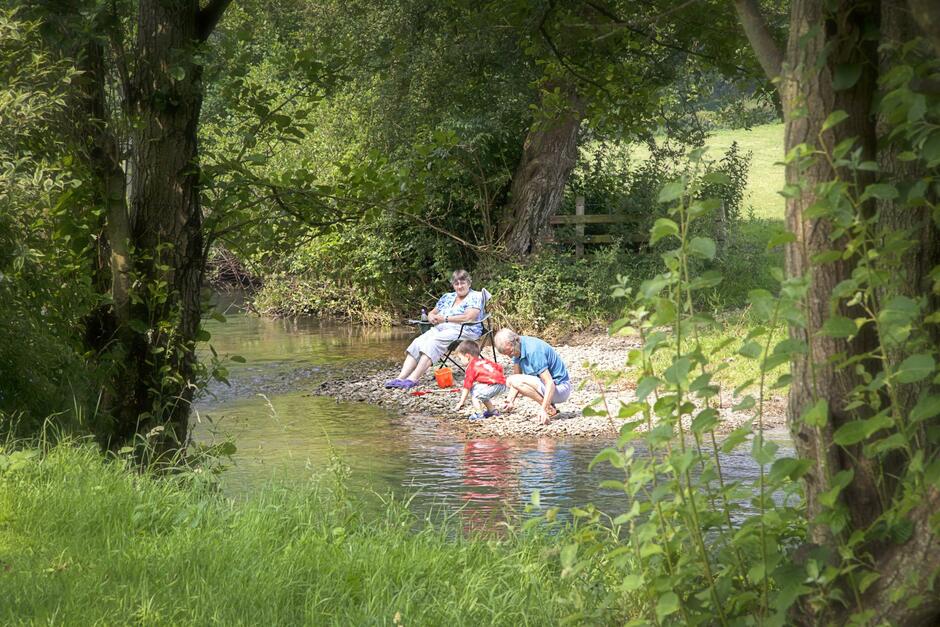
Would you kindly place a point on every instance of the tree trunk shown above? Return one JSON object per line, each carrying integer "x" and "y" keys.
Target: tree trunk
{"x": 549, "y": 154}
{"x": 897, "y": 29}
{"x": 808, "y": 98}
{"x": 824, "y": 39}
{"x": 165, "y": 224}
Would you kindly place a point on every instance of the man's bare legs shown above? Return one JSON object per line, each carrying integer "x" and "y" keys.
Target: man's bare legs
{"x": 529, "y": 386}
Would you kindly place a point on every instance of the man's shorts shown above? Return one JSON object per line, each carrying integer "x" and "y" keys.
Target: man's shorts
{"x": 487, "y": 391}
{"x": 562, "y": 391}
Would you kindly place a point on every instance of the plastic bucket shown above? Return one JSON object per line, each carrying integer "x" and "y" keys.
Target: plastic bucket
{"x": 444, "y": 376}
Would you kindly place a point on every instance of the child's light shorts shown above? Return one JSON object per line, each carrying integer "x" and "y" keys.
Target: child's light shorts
{"x": 487, "y": 391}
{"x": 562, "y": 391}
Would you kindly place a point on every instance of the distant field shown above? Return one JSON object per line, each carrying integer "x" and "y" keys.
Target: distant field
{"x": 766, "y": 179}
{"x": 765, "y": 143}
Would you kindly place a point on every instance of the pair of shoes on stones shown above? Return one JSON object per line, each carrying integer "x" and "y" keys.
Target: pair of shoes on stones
{"x": 400, "y": 384}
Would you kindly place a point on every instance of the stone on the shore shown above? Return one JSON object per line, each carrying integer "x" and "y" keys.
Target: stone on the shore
{"x": 586, "y": 360}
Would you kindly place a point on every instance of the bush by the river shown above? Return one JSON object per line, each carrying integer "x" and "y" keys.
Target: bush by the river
{"x": 387, "y": 269}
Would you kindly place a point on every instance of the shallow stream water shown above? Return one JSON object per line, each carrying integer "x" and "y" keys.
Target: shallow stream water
{"x": 284, "y": 433}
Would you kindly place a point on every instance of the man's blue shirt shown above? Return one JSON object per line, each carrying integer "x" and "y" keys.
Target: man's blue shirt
{"x": 536, "y": 356}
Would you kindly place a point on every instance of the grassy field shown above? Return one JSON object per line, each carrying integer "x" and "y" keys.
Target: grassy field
{"x": 83, "y": 541}
{"x": 765, "y": 143}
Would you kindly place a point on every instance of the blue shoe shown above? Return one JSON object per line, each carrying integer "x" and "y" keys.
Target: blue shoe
{"x": 394, "y": 383}
{"x": 476, "y": 416}
{"x": 490, "y": 414}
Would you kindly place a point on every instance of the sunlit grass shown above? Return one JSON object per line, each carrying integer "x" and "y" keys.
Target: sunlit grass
{"x": 730, "y": 368}
{"x": 83, "y": 541}
{"x": 765, "y": 179}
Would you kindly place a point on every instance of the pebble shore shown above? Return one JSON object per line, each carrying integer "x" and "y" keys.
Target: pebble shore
{"x": 588, "y": 358}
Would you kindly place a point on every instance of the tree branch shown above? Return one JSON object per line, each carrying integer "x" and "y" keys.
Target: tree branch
{"x": 765, "y": 48}
{"x": 543, "y": 31}
{"x": 431, "y": 225}
{"x": 652, "y": 37}
{"x": 209, "y": 17}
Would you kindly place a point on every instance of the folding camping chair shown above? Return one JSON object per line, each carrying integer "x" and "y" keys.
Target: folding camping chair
{"x": 488, "y": 334}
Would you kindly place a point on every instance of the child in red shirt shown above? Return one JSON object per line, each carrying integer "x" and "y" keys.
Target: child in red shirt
{"x": 483, "y": 380}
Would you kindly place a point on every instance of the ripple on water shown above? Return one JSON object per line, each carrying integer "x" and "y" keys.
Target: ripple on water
{"x": 284, "y": 433}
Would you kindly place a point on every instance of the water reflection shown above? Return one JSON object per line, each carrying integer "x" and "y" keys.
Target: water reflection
{"x": 282, "y": 431}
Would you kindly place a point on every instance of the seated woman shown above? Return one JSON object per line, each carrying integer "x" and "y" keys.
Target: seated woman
{"x": 453, "y": 309}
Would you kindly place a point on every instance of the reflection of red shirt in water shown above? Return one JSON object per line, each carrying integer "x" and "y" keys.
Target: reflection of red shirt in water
{"x": 483, "y": 370}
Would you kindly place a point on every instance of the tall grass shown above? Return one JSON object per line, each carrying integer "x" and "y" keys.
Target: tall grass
{"x": 83, "y": 541}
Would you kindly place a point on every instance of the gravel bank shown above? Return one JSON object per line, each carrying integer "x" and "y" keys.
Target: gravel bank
{"x": 588, "y": 357}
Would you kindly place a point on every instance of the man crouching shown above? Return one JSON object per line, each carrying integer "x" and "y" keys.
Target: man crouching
{"x": 538, "y": 372}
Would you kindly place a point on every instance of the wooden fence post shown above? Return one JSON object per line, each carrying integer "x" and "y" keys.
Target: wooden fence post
{"x": 579, "y": 228}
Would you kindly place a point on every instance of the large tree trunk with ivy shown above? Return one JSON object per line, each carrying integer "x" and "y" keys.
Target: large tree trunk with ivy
{"x": 830, "y": 65}
{"x": 549, "y": 154}
{"x": 809, "y": 96}
{"x": 152, "y": 249}
{"x": 164, "y": 228}
{"x": 907, "y": 213}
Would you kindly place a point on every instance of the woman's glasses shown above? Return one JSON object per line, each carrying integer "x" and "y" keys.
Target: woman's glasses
{"x": 461, "y": 282}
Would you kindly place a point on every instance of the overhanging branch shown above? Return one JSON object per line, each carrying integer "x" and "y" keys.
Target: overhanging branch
{"x": 209, "y": 17}
{"x": 765, "y": 48}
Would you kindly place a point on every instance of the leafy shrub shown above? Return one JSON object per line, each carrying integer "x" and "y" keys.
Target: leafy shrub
{"x": 552, "y": 294}
{"x": 611, "y": 184}
{"x": 367, "y": 272}
{"x": 45, "y": 227}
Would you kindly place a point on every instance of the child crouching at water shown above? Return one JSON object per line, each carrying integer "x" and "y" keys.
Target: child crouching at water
{"x": 483, "y": 380}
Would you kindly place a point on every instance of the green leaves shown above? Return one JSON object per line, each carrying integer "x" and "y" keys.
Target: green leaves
{"x": 846, "y": 75}
{"x": 916, "y": 368}
{"x": 703, "y": 247}
{"x": 671, "y": 191}
{"x": 839, "y": 326}
{"x": 858, "y": 430}
{"x": 928, "y": 406}
{"x": 834, "y": 118}
{"x": 817, "y": 415}
{"x": 663, "y": 227}
{"x": 789, "y": 468}
{"x": 881, "y": 191}
{"x": 678, "y": 373}
{"x": 668, "y": 604}
{"x": 839, "y": 482}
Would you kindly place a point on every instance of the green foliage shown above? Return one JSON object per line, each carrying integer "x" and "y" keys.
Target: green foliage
{"x": 43, "y": 243}
{"x": 551, "y": 294}
{"x": 365, "y": 273}
{"x": 692, "y": 554}
{"x": 75, "y": 523}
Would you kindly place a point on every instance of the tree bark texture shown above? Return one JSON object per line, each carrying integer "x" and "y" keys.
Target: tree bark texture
{"x": 812, "y": 58}
{"x": 823, "y": 38}
{"x": 897, "y": 29}
{"x": 549, "y": 154}
{"x": 165, "y": 220}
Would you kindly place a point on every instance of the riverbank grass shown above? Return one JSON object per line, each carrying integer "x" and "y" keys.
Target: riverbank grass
{"x": 84, "y": 541}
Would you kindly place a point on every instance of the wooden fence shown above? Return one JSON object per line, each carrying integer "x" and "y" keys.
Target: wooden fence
{"x": 579, "y": 219}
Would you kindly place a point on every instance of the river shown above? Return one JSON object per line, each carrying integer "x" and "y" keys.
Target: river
{"x": 284, "y": 433}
